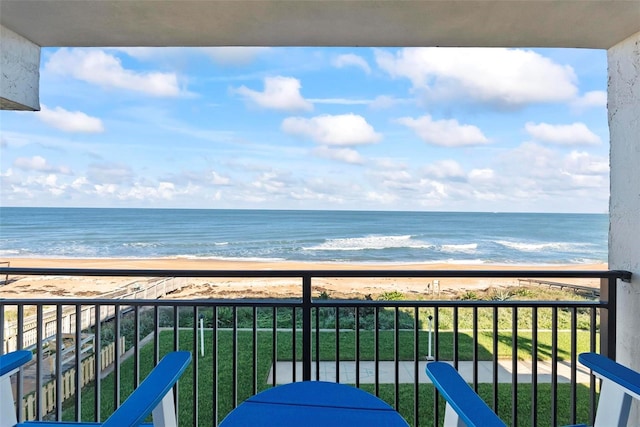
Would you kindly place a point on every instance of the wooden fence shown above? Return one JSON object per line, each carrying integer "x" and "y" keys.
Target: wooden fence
{"x": 5, "y": 280}
{"x": 68, "y": 383}
{"x": 589, "y": 291}
{"x": 151, "y": 289}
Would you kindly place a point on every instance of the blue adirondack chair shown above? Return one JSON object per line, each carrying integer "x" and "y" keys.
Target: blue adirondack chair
{"x": 9, "y": 364}
{"x": 154, "y": 395}
{"x": 620, "y": 385}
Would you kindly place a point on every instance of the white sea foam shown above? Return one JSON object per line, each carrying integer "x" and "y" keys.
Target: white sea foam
{"x": 9, "y": 252}
{"x": 238, "y": 258}
{"x": 459, "y": 261}
{"x": 369, "y": 243}
{"x": 468, "y": 248}
{"x": 141, "y": 245}
{"x": 536, "y": 247}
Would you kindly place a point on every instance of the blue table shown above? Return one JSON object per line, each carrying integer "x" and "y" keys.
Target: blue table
{"x": 311, "y": 404}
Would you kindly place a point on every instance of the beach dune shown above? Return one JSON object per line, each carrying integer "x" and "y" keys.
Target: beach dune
{"x": 95, "y": 287}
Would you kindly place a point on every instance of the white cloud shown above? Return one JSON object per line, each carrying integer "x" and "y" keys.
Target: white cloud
{"x": 351, "y": 60}
{"x": 583, "y": 163}
{"x": 389, "y": 163}
{"x": 384, "y": 102}
{"x": 481, "y": 176}
{"x": 110, "y": 173}
{"x": 573, "y": 134}
{"x": 70, "y": 121}
{"x": 446, "y": 133}
{"x": 347, "y": 155}
{"x": 593, "y": 99}
{"x": 546, "y": 173}
{"x": 396, "y": 176}
{"x": 445, "y": 169}
{"x": 382, "y": 198}
{"x": 280, "y": 93}
{"x": 307, "y": 194}
{"x": 145, "y": 192}
{"x": 163, "y": 191}
{"x": 140, "y": 192}
{"x": 234, "y": 55}
{"x": 344, "y": 129}
{"x": 530, "y": 160}
{"x": 224, "y": 55}
{"x": 80, "y": 183}
{"x": 98, "y": 67}
{"x": 217, "y": 179}
{"x": 147, "y": 53}
{"x": 495, "y": 76}
{"x": 39, "y": 164}
{"x": 106, "y": 189}
{"x": 594, "y": 182}
{"x": 340, "y": 101}
{"x": 271, "y": 182}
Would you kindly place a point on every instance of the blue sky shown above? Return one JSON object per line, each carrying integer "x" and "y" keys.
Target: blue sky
{"x": 313, "y": 128}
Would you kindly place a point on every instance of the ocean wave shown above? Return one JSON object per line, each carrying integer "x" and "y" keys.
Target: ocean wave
{"x": 10, "y": 252}
{"x": 370, "y": 243}
{"x": 540, "y": 246}
{"x": 467, "y": 248}
{"x": 141, "y": 245}
{"x": 230, "y": 258}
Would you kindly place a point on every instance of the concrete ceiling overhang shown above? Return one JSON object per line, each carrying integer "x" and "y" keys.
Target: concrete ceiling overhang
{"x": 510, "y": 23}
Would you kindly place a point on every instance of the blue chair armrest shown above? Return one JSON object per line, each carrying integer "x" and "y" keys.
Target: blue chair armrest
{"x": 151, "y": 391}
{"x": 471, "y": 409}
{"x": 9, "y": 363}
{"x": 13, "y": 360}
{"x": 606, "y": 368}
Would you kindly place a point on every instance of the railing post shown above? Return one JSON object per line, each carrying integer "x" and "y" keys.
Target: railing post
{"x": 306, "y": 327}
{"x": 608, "y": 294}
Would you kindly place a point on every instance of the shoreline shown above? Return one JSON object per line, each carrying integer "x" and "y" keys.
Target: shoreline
{"x": 93, "y": 287}
{"x": 180, "y": 263}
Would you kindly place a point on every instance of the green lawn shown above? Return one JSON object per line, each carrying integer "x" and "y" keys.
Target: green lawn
{"x": 220, "y": 400}
{"x": 445, "y": 345}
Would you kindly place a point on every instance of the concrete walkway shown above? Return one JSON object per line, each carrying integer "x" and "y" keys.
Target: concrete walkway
{"x": 406, "y": 372}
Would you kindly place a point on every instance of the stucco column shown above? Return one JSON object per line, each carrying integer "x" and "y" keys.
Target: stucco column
{"x": 624, "y": 205}
{"x": 20, "y": 72}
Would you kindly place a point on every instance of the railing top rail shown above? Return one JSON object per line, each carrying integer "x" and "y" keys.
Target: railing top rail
{"x": 608, "y": 274}
{"x": 296, "y": 302}
{"x": 270, "y": 302}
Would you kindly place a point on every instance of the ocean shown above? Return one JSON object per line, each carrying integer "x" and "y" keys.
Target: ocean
{"x": 324, "y": 236}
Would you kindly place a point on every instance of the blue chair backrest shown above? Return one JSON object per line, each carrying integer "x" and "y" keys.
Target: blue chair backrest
{"x": 463, "y": 404}
{"x": 151, "y": 391}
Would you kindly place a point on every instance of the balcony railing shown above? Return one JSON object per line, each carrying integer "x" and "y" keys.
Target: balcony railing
{"x": 520, "y": 355}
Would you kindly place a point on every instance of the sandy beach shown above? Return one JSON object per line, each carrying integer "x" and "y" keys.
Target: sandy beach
{"x": 192, "y": 288}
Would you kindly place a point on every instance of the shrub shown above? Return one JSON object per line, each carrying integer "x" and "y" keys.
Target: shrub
{"x": 469, "y": 296}
{"x": 391, "y": 296}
